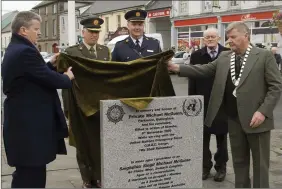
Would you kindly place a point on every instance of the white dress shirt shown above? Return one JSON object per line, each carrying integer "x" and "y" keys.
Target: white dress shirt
{"x": 211, "y": 54}
{"x": 140, "y": 40}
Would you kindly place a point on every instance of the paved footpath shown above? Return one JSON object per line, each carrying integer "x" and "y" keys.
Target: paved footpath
{"x": 63, "y": 172}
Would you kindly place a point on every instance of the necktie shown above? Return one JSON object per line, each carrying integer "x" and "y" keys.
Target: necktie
{"x": 238, "y": 62}
{"x": 137, "y": 45}
{"x": 92, "y": 51}
{"x": 213, "y": 54}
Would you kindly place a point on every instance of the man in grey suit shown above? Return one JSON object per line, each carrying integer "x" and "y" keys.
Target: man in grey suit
{"x": 248, "y": 83}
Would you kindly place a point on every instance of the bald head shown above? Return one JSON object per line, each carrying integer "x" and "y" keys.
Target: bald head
{"x": 211, "y": 38}
{"x": 274, "y": 50}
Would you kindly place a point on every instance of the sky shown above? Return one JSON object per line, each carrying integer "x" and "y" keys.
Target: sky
{"x": 8, "y": 6}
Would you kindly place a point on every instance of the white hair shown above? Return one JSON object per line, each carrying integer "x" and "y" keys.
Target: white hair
{"x": 211, "y": 30}
{"x": 274, "y": 48}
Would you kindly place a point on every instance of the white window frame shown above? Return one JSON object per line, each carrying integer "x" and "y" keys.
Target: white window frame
{"x": 54, "y": 8}
{"x": 231, "y": 6}
{"x": 204, "y": 6}
{"x": 54, "y": 23}
{"x": 181, "y": 4}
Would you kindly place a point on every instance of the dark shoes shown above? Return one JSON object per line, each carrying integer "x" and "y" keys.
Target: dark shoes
{"x": 220, "y": 175}
{"x": 92, "y": 184}
{"x": 206, "y": 174}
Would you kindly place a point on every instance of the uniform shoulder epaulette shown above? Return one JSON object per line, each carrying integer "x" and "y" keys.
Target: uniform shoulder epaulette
{"x": 102, "y": 46}
{"x": 151, "y": 38}
{"x": 76, "y": 45}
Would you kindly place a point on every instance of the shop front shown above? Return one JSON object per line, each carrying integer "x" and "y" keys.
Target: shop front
{"x": 190, "y": 31}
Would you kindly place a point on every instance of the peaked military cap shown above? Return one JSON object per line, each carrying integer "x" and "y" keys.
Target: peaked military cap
{"x": 135, "y": 15}
{"x": 92, "y": 23}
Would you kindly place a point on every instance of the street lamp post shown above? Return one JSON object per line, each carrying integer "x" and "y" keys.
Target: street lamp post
{"x": 71, "y": 23}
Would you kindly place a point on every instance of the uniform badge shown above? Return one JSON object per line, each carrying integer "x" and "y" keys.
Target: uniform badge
{"x": 96, "y": 22}
{"x": 137, "y": 14}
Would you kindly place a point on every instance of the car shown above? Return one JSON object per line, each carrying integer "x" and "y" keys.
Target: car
{"x": 43, "y": 54}
{"x": 178, "y": 58}
{"x": 48, "y": 57}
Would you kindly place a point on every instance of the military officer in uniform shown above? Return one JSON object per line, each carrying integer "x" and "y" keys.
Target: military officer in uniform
{"x": 89, "y": 48}
{"x": 136, "y": 45}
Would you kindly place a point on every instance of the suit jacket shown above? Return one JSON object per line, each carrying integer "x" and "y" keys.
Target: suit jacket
{"x": 259, "y": 88}
{"x": 34, "y": 123}
{"x": 278, "y": 58}
{"x": 204, "y": 87}
{"x": 126, "y": 50}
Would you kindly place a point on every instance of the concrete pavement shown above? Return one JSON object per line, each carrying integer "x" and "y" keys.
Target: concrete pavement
{"x": 63, "y": 172}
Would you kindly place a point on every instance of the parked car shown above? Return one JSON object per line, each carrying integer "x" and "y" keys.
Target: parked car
{"x": 178, "y": 58}
{"x": 43, "y": 54}
{"x": 48, "y": 57}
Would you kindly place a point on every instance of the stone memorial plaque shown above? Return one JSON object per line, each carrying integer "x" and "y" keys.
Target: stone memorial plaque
{"x": 157, "y": 147}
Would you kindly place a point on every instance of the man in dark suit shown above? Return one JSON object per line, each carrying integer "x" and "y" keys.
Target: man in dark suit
{"x": 34, "y": 123}
{"x": 136, "y": 45}
{"x": 277, "y": 56}
{"x": 203, "y": 87}
{"x": 248, "y": 83}
{"x": 89, "y": 48}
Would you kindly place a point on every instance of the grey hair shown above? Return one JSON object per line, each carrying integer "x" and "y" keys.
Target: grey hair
{"x": 24, "y": 18}
{"x": 240, "y": 27}
{"x": 211, "y": 29}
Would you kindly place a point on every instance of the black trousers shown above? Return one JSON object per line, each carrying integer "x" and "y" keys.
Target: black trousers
{"x": 29, "y": 177}
{"x": 220, "y": 157}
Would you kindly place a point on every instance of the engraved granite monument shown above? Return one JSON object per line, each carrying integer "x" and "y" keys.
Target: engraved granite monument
{"x": 156, "y": 147}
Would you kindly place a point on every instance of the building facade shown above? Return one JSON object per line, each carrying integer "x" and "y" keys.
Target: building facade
{"x": 112, "y": 12}
{"x": 158, "y": 20}
{"x": 6, "y": 33}
{"x": 189, "y": 22}
{"x": 63, "y": 19}
{"x": 50, "y": 12}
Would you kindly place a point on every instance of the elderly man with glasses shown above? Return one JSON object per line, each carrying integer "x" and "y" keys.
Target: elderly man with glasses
{"x": 203, "y": 87}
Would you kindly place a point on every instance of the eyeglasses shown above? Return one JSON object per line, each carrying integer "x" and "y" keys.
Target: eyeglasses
{"x": 212, "y": 37}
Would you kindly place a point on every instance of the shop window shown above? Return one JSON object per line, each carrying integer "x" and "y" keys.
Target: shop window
{"x": 183, "y": 29}
{"x": 196, "y": 28}
{"x": 257, "y": 24}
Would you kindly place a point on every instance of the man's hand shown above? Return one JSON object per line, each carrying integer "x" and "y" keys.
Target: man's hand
{"x": 69, "y": 73}
{"x": 258, "y": 118}
{"x": 172, "y": 67}
{"x": 53, "y": 60}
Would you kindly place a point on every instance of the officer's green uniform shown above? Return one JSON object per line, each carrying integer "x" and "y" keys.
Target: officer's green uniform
{"x": 88, "y": 155}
